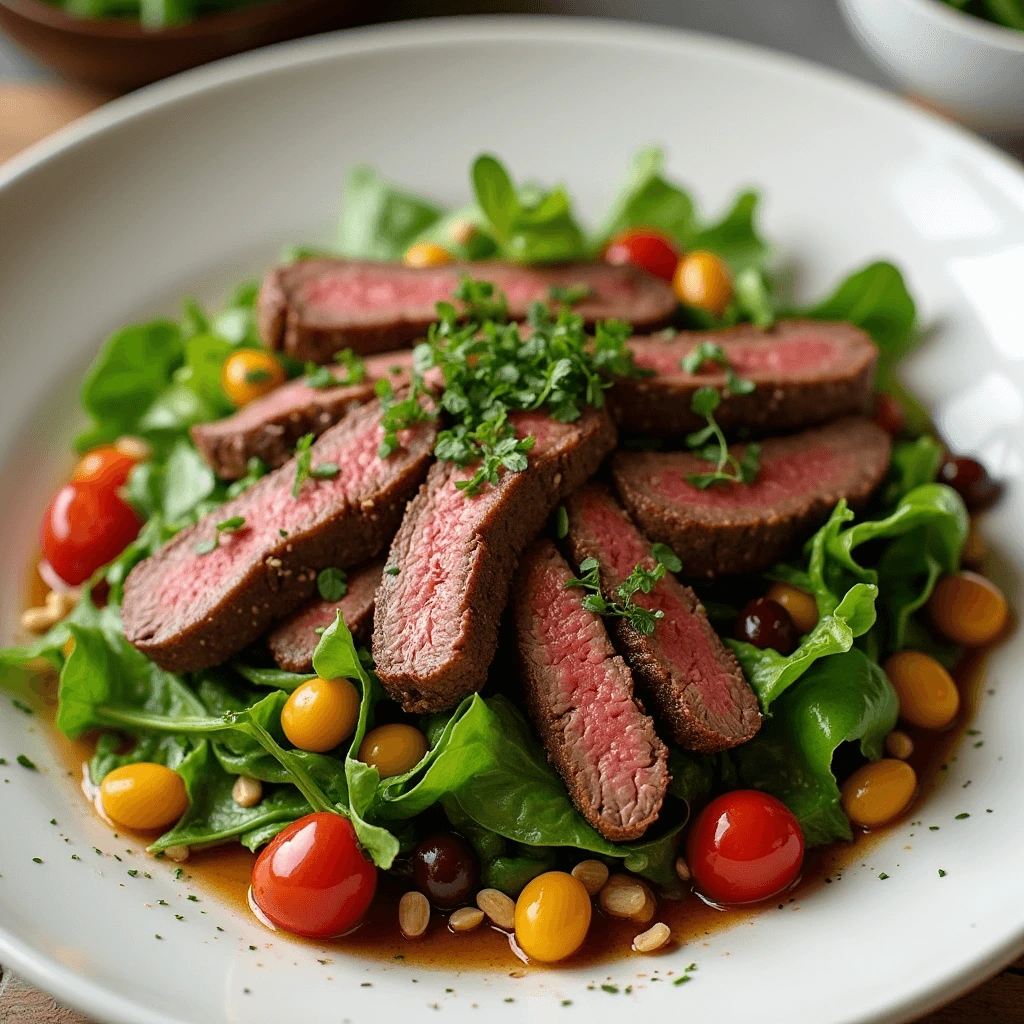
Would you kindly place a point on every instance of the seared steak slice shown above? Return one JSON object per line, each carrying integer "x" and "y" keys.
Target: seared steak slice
{"x": 732, "y": 528}
{"x": 269, "y": 428}
{"x": 580, "y": 696}
{"x": 694, "y": 681}
{"x": 314, "y": 308}
{"x": 807, "y": 372}
{"x": 293, "y": 642}
{"x": 436, "y": 623}
{"x": 187, "y": 611}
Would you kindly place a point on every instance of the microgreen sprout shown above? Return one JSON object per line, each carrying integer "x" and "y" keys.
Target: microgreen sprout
{"x": 710, "y": 444}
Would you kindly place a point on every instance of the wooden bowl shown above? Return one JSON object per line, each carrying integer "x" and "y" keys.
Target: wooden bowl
{"x": 118, "y": 55}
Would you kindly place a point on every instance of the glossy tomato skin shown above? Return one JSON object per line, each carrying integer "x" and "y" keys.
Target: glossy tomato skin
{"x": 649, "y": 250}
{"x": 745, "y": 846}
{"x": 85, "y": 527}
{"x": 312, "y": 879}
{"x": 106, "y": 467}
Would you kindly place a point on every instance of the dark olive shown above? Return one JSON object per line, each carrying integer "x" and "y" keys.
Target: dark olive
{"x": 445, "y": 870}
{"x": 765, "y": 623}
{"x": 889, "y": 414}
{"x": 971, "y": 481}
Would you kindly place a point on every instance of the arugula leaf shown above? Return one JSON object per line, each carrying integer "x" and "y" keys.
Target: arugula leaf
{"x": 842, "y": 698}
{"x": 378, "y": 220}
{"x": 529, "y": 225}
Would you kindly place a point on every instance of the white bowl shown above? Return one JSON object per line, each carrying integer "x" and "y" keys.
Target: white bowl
{"x": 189, "y": 186}
{"x": 970, "y": 69}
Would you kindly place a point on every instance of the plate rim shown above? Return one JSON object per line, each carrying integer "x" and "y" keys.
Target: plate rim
{"x": 106, "y": 1004}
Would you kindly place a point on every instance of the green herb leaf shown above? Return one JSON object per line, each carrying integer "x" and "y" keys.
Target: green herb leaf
{"x": 303, "y": 457}
{"x": 332, "y": 584}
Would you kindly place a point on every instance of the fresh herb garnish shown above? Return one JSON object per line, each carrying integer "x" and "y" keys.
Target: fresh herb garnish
{"x": 354, "y": 366}
{"x": 232, "y": 525}
{"x": 711, "y": 352}
{"x": 561, "y": 523}
{"x": 392, "y": 570}
{"x": 303, "y": 457}
{"x": 400, "y": 413}
{"x": 26, "y": 762}
{"x": 569, "y": 295}
{"x": 490, "y": 372}
{"x": 256, "y": 469}
{"x": 320, "y": 377}
{"x": 325, "y": 471}
{"x": 665, "y": 556}
{"x": 728, "y": 469}
{"x": 640, "y": 580}
{"x": 332, "y": 583}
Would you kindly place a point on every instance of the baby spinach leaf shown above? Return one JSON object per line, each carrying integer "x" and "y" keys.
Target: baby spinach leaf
{"x": 133, "y": 367}
{"x": 272, "y": 678}
{"x": 378, "y": 220}
{"x": 735, "y": 237}
{"x": 528, "y": 224}
{"x": 842, "y": 698}
{"x": 187, "y": 481}
{"x": 647, "y": 199}
{"x": 214, "y": 817}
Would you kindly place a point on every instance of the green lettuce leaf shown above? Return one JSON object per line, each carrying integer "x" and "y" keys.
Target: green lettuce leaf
{"x": 842, "y": 698}
{"x": 378, "y": 220}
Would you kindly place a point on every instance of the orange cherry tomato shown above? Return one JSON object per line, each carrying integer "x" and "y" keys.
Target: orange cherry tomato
{"x": 85, "y": 527}
{"x": 312, "y": 879}
{"x": 649, "y": 250}
{"x": 106, "y": 467}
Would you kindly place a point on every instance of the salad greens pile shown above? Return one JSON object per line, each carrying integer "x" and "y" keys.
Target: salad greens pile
{"x": 154, "y": 14}
{"x": 1009, "y": 13}
{"x": 485, "y": 769}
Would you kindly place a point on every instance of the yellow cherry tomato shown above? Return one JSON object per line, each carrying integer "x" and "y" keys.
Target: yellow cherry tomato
{"x": 552, "y": 917}
{"x": 393, "y": 749}
{"x": 320, "y": 713}
{"x": 802, "y": 607}
{"x": 143, "y": 796}
{"x": 249, "y": 374}
{"x": 426, "y": 254}
{"x": 879, "y": 792}
{"x": 928, "y": 696}
{"x": 968, "y": 609}
{"x": 703, "y": 280}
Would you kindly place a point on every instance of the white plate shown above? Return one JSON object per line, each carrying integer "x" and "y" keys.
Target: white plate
{"x": 187, "y": 186}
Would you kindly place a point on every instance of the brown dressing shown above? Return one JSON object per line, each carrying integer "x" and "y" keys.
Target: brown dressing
{"x": 226, "y": 870}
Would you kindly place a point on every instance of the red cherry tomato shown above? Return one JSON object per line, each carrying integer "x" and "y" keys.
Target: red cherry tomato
{"x": 312, "y": 879}
{"x": 647, "y": 249}
{"x": 86, "y": 527}
{"x": 105, "y": 467}
{"x": 745, "y": 846}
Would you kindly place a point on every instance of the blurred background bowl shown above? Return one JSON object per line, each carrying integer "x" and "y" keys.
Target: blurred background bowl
{"x": 117, "y": 55}
{"x": 970, "y": 69}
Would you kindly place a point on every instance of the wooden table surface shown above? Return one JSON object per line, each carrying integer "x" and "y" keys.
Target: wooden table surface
{"x": 29, "y": 113}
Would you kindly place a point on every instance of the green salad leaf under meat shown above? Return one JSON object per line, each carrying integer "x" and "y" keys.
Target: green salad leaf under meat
{"x": 485, "y": 770}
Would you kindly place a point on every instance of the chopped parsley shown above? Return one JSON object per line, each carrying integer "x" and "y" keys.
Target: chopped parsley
{"x": 392, "y": 570}
{"x": 883, "y": 876}
{"x": 570, "y": 295}
{"x": 332, "y": 584}
{"x": 304, "y": 469}
{"x": 232, "y": 525}
{"x": 355, "y": 368}
{"x": 959, "y": 817}
{"x": 942, "y": 874}
{"x": 255, "y": 469}
{"x": 26, "y": 762}
{"x": 640, "y": 580}
{"x": 22, "y": 706}
{"x": 491, "y": 371}
{"x": 710, "y": 444}
{"x": 320, "y": 377}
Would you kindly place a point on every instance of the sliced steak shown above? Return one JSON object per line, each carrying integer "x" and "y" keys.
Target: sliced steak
{"x": 269, "y": 428}
{"x": 732, "y": 528}
{"x": 314, "y": 308}
{"x": 436, "y": 623}
{"x": 188, "y": 611}
{"x": 293, "y": 642}
{"x": 580, "y": 696}
{"x": 694, "y": 681}
{"x": 807, "y": 372}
